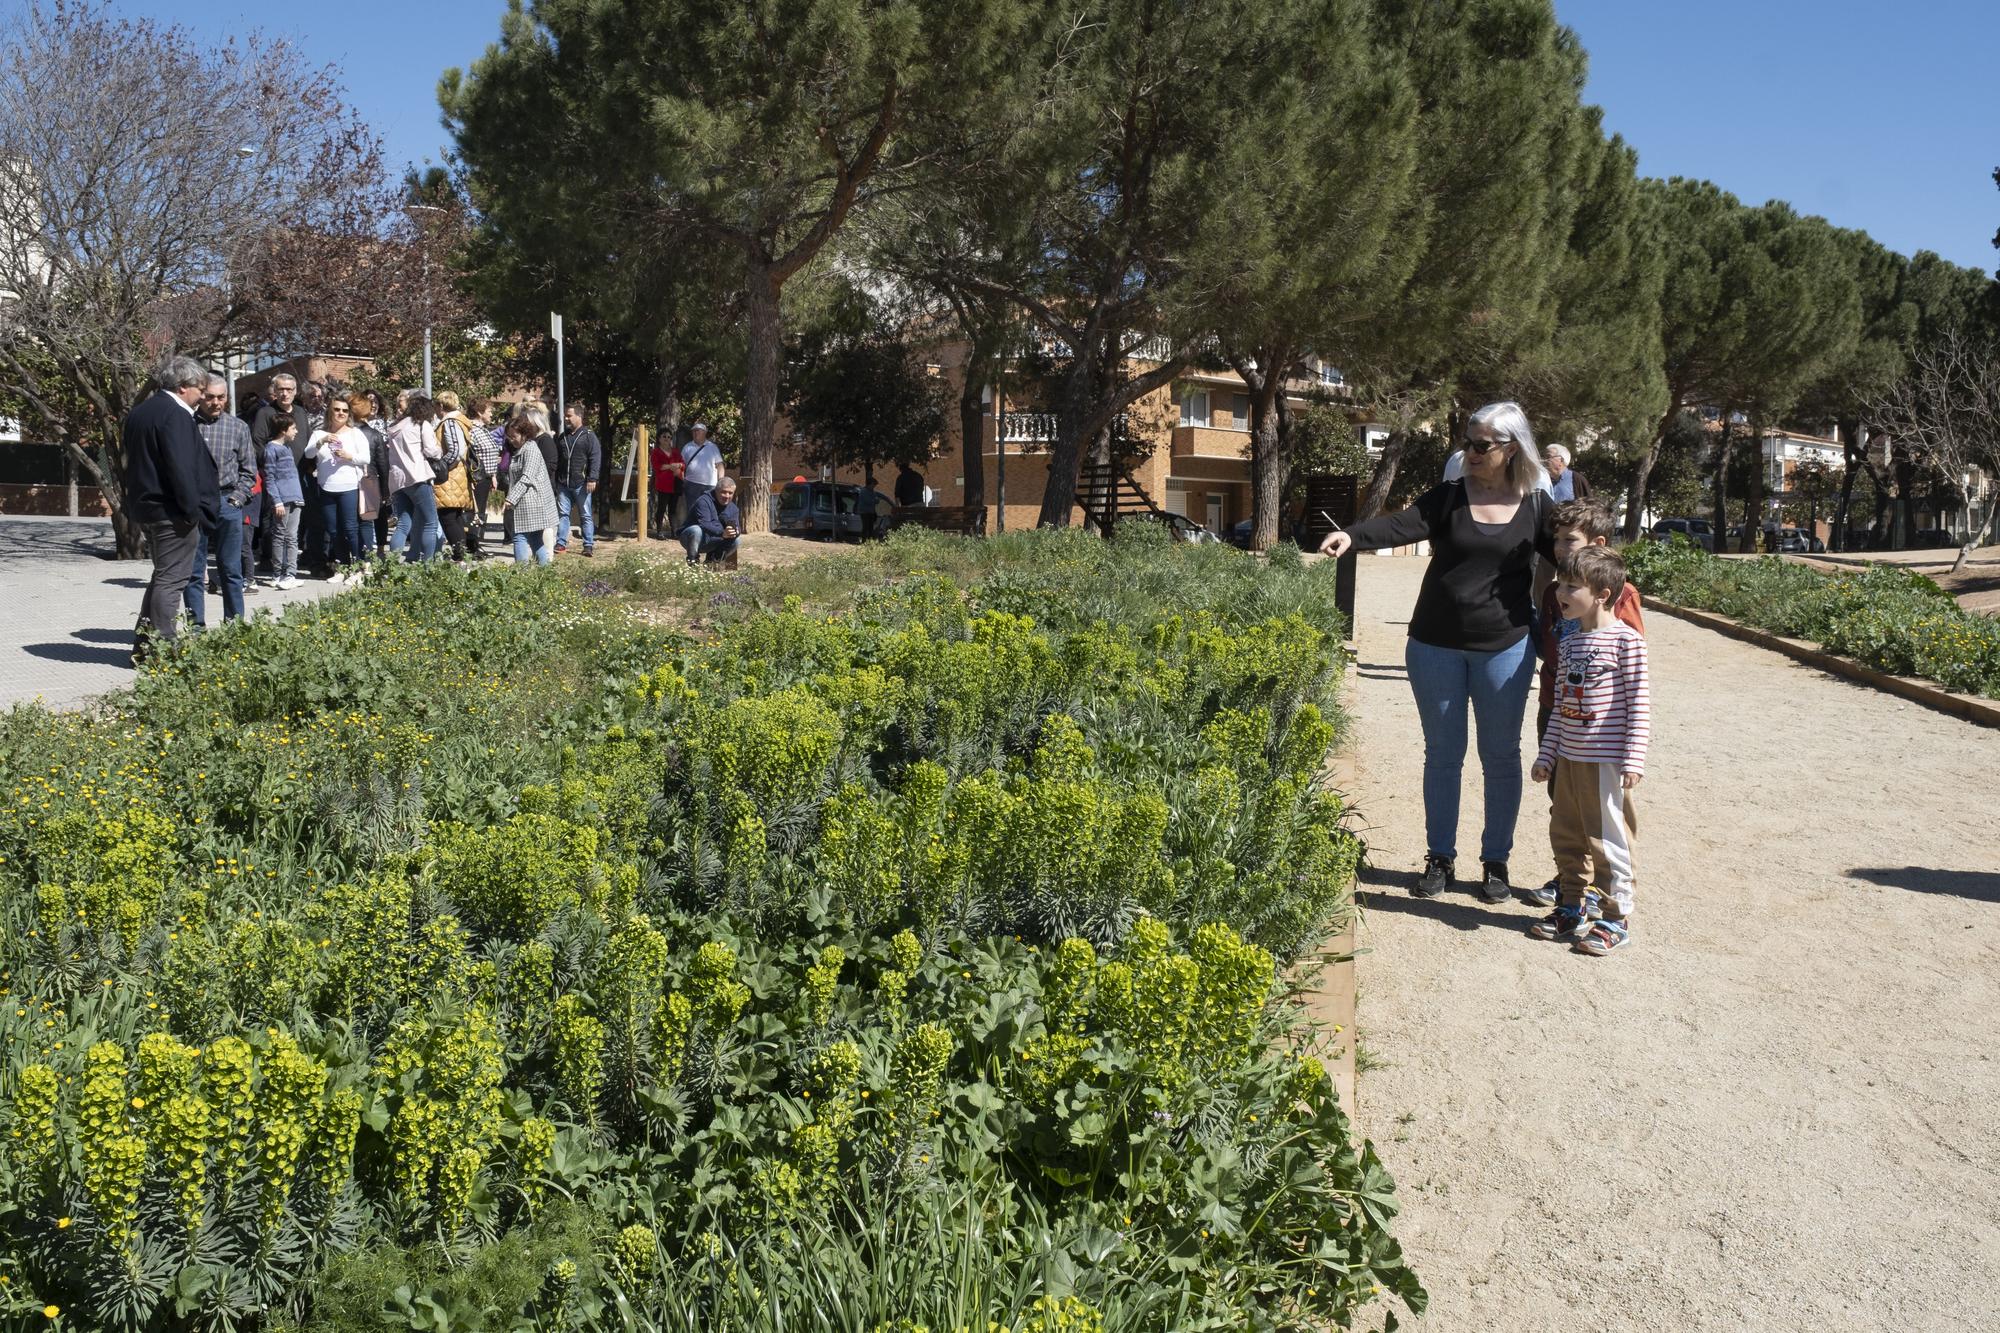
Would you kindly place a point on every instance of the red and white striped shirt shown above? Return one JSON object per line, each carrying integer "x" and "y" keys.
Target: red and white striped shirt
{"x": 1603, "y": 712}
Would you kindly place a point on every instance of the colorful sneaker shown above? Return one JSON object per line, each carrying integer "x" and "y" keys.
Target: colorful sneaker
{"x": 1565, "y": 923}
{"x": 1494, "y": 887}
{"x": 1545, "y": 896}
{"x": 1603, "y": 937}
{"x": 1593, "y": 904}
{"x": 1435, "y": 879}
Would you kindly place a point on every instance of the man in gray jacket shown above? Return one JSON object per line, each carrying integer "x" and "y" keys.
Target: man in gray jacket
{"x": 228, "y": 441}
{"x": 579, "y": 458}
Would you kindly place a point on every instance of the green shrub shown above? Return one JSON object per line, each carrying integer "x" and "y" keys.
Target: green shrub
{"x": 1893, "y": 619}
{"x": 458, "y": 953}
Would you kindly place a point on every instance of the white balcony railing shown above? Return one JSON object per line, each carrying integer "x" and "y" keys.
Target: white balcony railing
{"x": 1028, "y": 427}
{"x": 1040, "y": 427}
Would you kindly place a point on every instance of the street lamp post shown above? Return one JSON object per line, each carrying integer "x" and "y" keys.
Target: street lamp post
{"x": 424, "y": 242}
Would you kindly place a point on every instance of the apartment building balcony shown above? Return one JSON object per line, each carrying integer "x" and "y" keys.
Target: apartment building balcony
{"x": 1210, "y": 442}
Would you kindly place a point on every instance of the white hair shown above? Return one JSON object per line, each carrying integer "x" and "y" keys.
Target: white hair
{"x": 1560, "y": 451}
{"x": 1525, "y": 473}
{"x": 181, "y": 372}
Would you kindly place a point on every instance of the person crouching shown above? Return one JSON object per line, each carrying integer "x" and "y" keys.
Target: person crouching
{"x": 714, "y": 524}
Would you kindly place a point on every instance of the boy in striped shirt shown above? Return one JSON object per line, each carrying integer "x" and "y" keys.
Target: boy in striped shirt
{"x": 1595, "y": 750}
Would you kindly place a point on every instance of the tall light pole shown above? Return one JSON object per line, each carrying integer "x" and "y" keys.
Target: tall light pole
{"x": 424, "y": 244}
{"x": 229, "y": 352}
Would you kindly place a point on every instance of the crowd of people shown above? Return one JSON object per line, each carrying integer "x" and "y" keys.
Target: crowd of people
{"x": 1485, "y": 614}
{"x": 313, "y": 480}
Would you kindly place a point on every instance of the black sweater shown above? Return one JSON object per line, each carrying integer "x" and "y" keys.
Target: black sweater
{"x": 169, "y": 475}
{"x": 1477, "y": 594}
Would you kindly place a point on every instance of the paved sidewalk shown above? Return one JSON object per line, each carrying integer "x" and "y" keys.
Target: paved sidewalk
{"x": 67, "y": 608}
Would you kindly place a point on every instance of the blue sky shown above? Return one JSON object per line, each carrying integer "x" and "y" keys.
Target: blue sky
{"x": 1880, "y": 116}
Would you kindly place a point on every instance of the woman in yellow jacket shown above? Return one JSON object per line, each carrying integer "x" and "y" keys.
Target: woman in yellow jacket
{"x": 454, "y": 493}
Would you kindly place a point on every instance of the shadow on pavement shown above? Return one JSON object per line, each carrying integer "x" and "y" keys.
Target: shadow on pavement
{"x": 1981, "y": 886}
{"x": 43, "y": 539}
{"x": 126, "y": 583}
{"x": 1382, "y": 670}
{"x": 82, "y": 654}
{"x": 123, "y": 636}
{"x": 1389, "y": 891}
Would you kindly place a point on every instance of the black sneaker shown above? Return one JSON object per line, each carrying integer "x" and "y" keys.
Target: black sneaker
{"x": 1435, "y": 879}
{"x": 1496, "y": 889}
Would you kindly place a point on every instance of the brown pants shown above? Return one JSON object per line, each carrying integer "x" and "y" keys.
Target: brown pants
{"x": 1592, "y": 827}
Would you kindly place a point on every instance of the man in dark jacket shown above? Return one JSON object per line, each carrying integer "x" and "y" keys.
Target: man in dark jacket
{"x": 910, "y": 487}
{"x": 170, "y": 490}
{"x": 579, "y": 458}
{"x": 714, "y": 525}
{"x": 227, "y": 439}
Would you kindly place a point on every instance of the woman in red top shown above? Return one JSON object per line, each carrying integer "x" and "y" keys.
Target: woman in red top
{"x": 667, "y": 468}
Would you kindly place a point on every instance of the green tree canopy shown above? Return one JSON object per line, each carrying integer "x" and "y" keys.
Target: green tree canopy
{"x": 757, "y": 129}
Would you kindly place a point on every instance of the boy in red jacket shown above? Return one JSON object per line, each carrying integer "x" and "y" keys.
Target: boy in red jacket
{"x": 1577, "y": 524}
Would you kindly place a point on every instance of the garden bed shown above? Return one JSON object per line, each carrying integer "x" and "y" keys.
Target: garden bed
{"x": 1891, "y": 620}
{"x": 894, "y": 944}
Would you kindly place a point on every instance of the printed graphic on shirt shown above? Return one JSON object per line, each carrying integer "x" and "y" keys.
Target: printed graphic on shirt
{"x": 1585, "y": 685}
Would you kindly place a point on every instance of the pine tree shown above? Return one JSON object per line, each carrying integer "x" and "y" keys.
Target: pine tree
{"x": 760, "y": 128}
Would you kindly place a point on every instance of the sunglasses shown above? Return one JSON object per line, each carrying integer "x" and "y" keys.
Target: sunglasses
{"x": 1484, "y": 447}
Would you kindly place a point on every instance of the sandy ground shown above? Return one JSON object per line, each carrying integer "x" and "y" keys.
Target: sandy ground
{"x": 1779, "y": 1107}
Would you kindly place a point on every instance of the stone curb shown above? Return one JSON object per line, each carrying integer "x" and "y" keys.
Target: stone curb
{"x": 1931, "y": 695}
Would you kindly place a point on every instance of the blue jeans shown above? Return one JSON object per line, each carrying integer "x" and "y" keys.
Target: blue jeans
{"x": 340, "y": 526}
{"x": 535, "y": 542}
{"x": 225, "y": 539}
{"x": 700, "y": 546}
{"x": 416, "y": 507}
{"x": 575, "y": 497}
{"x": 1444, "y": 681}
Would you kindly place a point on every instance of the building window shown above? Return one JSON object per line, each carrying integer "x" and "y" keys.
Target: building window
{"x": 1328, "y": 375}
{"x": 1194, "y": 407}
{"x": 1239, "y": 411}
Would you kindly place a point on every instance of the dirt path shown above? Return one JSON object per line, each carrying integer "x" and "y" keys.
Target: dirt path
{"x": 1780, "y": 1107}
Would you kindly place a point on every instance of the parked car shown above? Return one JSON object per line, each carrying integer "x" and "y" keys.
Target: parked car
{"x": 1699, "y": 531}
{"x": 1932, "y": 539}
{"x": 822, "y": 509}
{"x": 1797, "y": 541}
{"x": 1239, "y": 534}
{"x": 1180, "y": 527}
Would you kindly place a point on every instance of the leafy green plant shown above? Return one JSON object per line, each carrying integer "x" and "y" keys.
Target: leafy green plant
{"x": 1896, "y": 620}
{"x": 896, "y": 949}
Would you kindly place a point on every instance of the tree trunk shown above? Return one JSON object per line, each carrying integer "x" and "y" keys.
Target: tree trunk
{"x": 1377, "y": 493}
{"x": 667, "y": 412}
{"x": 1753, "y": 505}
{"x": 972, "y": 424}
{"x": 1267, "y": 472}
{"x": 760, "y": 396}
{"x": 108, "y": 467}
{"x": 1851, "y": 462}
{"x": 1636, "y": 507}
{"x": 1066, "y": 453}
{"x": 1722, "y": 453}
{"x": 1974, "y": 536}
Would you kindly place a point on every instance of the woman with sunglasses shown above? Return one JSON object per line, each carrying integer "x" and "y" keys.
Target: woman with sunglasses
{"x": 339, "y": 451}
{"x": 1469, "y": 635}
